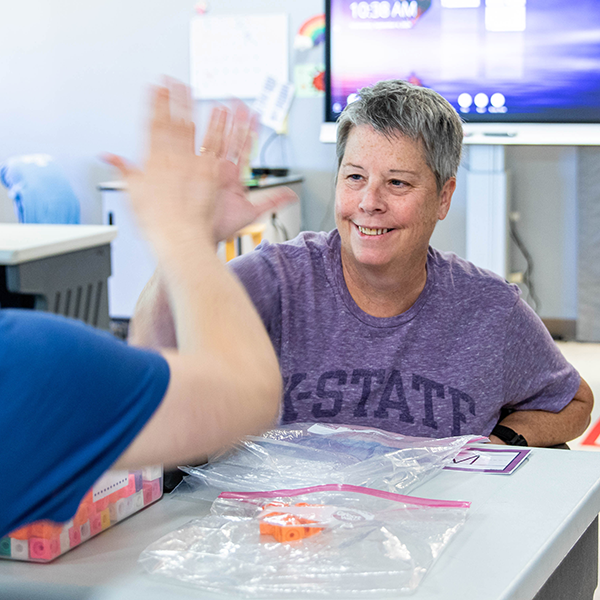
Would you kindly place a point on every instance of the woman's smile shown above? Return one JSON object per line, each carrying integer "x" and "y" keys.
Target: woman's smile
{"x": 387, "y": 201}
{"x": 373, "y": 232}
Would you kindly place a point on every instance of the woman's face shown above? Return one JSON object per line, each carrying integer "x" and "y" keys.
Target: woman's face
{"x": 386, "y": 202}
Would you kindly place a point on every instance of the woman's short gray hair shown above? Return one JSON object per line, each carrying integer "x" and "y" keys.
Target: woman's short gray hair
{"x": 396, "y": 108}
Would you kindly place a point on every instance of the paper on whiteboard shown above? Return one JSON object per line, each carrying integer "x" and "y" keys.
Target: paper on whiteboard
{"x": 232, "y": 55}
{"x": 273, "y": 103}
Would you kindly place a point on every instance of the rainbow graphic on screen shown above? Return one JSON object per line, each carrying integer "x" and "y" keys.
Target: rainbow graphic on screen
{"x": 311, "y": 33}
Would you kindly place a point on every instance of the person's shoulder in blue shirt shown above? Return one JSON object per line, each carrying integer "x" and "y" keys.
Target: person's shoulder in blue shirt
{"x": 73, "y": 399}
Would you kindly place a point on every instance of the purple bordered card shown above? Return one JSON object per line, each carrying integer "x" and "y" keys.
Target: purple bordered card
{"x": 502, "y": 461}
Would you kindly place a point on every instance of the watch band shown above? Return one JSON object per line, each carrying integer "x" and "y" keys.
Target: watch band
{"x": 509, "y": 436}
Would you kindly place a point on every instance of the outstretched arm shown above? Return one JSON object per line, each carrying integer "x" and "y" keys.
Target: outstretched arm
{"x": 152, "y": 325}
{"x": 225, "y": 379}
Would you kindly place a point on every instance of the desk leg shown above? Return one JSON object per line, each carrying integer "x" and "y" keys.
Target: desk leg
{"x": 576, "y": 577}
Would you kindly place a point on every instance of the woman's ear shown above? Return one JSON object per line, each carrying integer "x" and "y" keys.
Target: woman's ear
{"x": 446, "y": 198}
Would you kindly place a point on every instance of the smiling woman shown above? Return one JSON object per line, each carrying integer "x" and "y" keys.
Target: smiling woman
{"x": 375, "y": 327}
{"x": 387, "y": 206}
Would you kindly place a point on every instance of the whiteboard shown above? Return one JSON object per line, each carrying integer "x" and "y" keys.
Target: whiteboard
{"x": 232, "y": 55}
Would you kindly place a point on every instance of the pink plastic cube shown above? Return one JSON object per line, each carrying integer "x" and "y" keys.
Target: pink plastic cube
{"x": 147, "y": 493}
{"x": 43, "y": 549}
{"x": 96, "y": 524}
{"x": 101, "y": 504}
{"x": 74, "y": 536}
{"x": 156, "y": 487}
{"x": 129, "y": 489}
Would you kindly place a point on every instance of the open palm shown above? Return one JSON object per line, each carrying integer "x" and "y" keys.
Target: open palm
{"x": 234, "y": 210}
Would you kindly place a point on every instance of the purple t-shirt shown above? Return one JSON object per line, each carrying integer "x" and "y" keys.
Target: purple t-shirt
{"x": 466, "y": 348}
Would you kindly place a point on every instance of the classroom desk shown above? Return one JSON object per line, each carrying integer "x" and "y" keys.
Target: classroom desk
{"x": 57, "y": 268}
{"x": 519, "y": 529}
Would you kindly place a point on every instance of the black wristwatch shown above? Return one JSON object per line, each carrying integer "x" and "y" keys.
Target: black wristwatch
{"x": 509, "y": 436}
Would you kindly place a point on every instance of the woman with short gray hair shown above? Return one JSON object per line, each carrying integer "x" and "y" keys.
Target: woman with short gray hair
{"x": 374, "y": 327}
{"x": 395, "y": 108}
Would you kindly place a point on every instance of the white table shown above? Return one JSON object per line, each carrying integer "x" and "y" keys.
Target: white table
{"x": 58, "y": 268}
{"x": 519, "y": 529}
{"x": 20, "y": 242}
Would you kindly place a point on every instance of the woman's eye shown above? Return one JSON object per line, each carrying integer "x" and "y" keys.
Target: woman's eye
{"x": 397, "y": 182}
{"x": 355, "y": 177}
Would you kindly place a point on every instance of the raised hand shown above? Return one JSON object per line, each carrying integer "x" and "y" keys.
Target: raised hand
{"x": 234, "y": 210}
{"x": 174, "y": 195}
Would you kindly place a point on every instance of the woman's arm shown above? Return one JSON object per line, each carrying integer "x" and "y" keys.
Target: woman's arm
{"x": 543, "y": 428}
{"x": 224, "y": 377}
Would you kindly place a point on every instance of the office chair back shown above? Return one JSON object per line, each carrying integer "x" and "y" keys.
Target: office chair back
{"x": 77, "y": 285}
{"x": 40, "y": 191}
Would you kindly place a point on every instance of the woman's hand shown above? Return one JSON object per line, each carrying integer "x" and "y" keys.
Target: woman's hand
{"x": 184, "y": 195}
{"x": 234, "y": 210}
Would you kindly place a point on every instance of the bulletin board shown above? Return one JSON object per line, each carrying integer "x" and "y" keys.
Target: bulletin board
{"x": 232, "y": 55}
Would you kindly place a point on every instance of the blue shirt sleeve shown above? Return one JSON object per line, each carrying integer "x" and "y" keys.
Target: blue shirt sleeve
{"x": 71, "y": 400}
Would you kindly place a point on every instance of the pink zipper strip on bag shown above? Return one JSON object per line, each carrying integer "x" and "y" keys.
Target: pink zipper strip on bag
{"x": 341, "y": 487}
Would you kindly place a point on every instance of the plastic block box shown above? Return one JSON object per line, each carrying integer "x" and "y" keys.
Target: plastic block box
{"x": 115, "y": 496}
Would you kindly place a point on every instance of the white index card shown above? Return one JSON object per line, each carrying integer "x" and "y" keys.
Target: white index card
{"x": 273, "y": 103}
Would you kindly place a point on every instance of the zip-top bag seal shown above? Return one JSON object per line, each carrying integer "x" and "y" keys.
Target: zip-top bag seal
{"x": 331, "y": 540}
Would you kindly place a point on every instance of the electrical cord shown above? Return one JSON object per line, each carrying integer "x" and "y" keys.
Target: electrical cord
{"x": 280, "y": 227}
{"x": 528, "y": 273}
{"x": 263, "y": 150}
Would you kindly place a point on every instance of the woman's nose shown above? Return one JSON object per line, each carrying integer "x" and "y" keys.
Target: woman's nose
{"x": 372, "y": 200}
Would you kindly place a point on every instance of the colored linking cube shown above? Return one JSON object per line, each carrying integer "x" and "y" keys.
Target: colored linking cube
{"x": 44, "y": 549}
{"x": 5, "y": 546}
{"x": 286, "y": 527}
{"x": 19, "y": 549}
{"x": 111, "y": 500}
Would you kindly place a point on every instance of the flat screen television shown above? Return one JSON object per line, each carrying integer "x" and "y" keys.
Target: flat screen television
{"x": 503, "y": 64}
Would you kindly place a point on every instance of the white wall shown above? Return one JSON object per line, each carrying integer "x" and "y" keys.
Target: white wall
{"x": 74, "y": 75}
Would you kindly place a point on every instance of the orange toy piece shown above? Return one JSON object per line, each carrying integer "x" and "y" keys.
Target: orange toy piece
{"x": 82, "y": 515}
{"x": 22, "y": 533}
{"x": 289, "y": 528}
{"x": 45, "y": 530}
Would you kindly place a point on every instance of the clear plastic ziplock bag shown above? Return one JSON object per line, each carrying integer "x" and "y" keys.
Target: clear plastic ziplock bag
{"x": 330, "y": 540}
{"x": 301, "y": 455}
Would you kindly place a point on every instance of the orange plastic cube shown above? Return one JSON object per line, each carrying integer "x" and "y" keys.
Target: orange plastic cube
{"x": 45, "y": 530}
{"x": 289, "y": 528}
{"x": 82, "y": 515}
{"x": 21, "y": 534}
